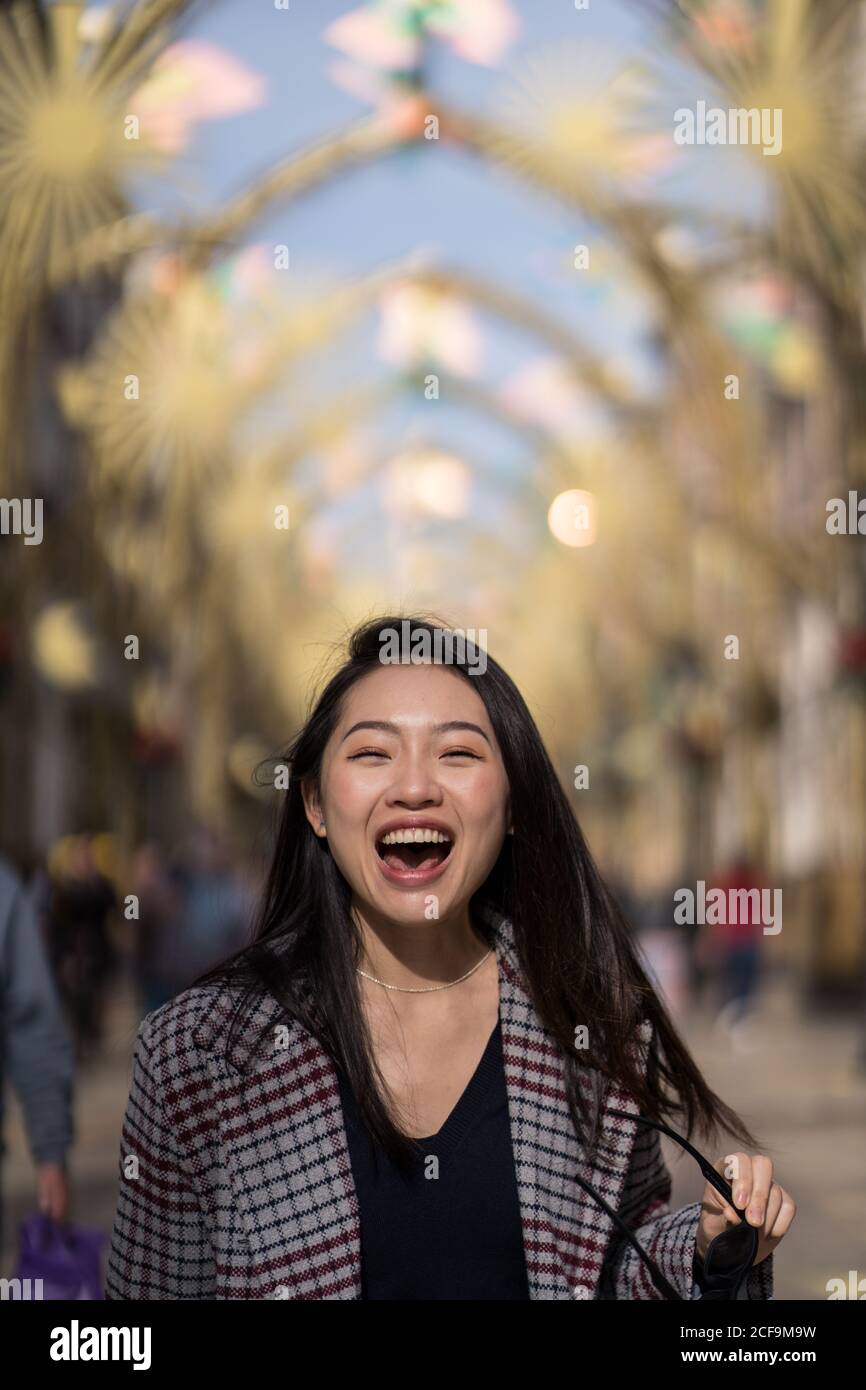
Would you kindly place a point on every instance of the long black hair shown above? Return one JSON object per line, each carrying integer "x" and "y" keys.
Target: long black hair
{"x": 575, "y": 947}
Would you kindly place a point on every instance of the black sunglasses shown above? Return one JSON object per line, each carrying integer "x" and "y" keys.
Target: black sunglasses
{"x": 729, "y": 1255}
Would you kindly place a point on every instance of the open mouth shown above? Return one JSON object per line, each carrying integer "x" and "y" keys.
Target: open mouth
{"x": 412, "y": 860}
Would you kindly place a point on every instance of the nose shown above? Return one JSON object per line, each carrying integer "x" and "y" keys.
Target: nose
{"x": 415, "y": 782}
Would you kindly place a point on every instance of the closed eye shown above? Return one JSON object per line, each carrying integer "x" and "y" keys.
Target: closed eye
{"x": 452, "y": 753}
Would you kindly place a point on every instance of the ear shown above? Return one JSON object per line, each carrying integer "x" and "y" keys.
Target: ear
{"x": 312, "y": 806}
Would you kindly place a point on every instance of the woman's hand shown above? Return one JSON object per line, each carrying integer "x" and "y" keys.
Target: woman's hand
{"x": 768, "y": 1206}
{"x": 52, "y": 1186}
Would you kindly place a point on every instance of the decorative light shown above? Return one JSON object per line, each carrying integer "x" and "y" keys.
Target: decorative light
{"x": 427, "y": 482}
{"x": 63, "y": 650}
{"x": 572, "y": 518}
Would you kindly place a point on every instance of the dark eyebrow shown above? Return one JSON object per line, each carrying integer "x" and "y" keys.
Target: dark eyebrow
{"x": 388, "y": 728}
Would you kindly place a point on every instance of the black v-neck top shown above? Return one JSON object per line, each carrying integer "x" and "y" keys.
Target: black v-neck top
{"x": 457, "y": 1235}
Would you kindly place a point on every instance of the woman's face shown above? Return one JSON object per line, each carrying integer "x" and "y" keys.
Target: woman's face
{"x": 414, "y": 745}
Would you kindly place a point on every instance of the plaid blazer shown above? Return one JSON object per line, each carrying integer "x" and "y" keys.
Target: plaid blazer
{"x": 236, "y": 1180}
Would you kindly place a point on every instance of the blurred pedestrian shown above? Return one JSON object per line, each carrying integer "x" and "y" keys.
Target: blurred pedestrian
{"x": 214, "y": 920}
{"x": 733, "y": 945}
{"x": 35, "y": 1047}
{"x": 80, "y": 950}
{"x": 158, "y": 929}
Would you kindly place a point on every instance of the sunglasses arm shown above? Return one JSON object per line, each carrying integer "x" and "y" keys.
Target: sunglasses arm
{"x": 712, "y": 1176}
{"x": 664, "y": 1286}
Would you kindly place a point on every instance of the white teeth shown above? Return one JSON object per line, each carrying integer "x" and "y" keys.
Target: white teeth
{"x": 415, "y": 836}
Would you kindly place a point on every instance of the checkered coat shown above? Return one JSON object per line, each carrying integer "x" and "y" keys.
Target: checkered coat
{"x": 242, "y": 1183}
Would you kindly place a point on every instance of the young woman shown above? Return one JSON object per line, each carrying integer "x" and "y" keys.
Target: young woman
{"x": 424, "y": 1076}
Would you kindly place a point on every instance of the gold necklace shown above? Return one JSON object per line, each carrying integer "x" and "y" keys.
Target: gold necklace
{"x": 424, "y": 989}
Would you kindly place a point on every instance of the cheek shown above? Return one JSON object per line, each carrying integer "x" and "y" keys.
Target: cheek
{"x": 351, "y": 793}
{"x": 482, "y": 801}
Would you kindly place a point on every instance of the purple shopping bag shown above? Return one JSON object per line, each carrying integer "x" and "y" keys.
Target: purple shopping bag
{"x": 64, "y": 1258}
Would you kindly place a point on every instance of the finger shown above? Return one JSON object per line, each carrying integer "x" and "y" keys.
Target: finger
{"x": 762, "y": 1181}
{"x": 737, "y": 1168}
{"x": 714, "y": 1205}
{"x": 774, "y": 1206}
{"x": 729, "y": 1168}
{"x": 785, "y": 1215}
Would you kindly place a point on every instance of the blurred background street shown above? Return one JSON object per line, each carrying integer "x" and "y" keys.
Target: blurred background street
{"x": 462, "y": 307}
